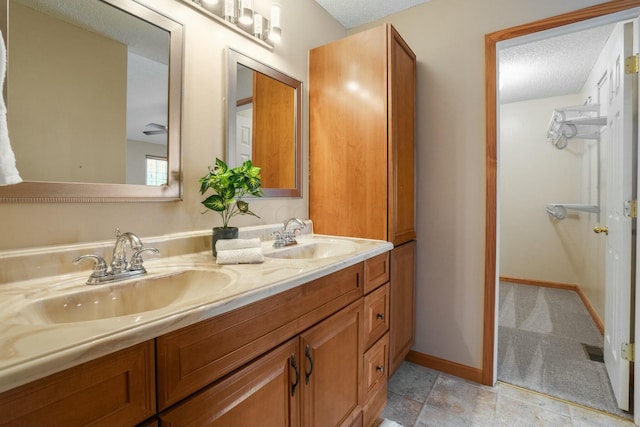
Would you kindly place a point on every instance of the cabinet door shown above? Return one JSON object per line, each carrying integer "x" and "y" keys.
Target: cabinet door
{"x": 332, "y": 369}
{"x": 402, "y": 304}
{"x": 114, "y": 390}
{"x": 264, "y": 393}
{"x": 402, "y": 84}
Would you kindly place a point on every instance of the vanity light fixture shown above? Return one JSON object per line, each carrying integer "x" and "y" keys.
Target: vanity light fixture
{"x": 245, "y": 15}
{"x": 240, "y": 16}
{"x": 275, "y": 31}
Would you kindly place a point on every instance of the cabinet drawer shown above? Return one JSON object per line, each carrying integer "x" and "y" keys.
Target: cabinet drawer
{"x": 114, "y": 390}
{"x": 376, "y": 315}
{"x": 195, "y": 356}
{"x": 376, "y": 272}
{"x": 376, "y": 365}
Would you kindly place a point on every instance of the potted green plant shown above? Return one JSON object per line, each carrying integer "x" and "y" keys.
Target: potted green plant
{"x": 230, "y": 186}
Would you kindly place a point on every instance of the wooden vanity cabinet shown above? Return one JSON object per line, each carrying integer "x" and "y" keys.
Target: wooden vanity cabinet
{"x": 114, "y": 390}
{"x": 296, "y": 358}
{"x": 362, "y": 92}
{"x": 313, "y": 379}
{"x": 194, "y": 357}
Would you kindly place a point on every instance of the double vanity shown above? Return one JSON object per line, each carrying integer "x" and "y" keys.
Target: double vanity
{"x": 299, "y": 339}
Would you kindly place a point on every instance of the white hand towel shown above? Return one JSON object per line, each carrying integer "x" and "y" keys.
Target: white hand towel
{"x": 240, "y": 256}
{"x": 8, "y": 172}
{"x": 225, "y": 244}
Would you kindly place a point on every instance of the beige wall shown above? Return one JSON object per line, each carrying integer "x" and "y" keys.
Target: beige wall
{"x": 448, "y": 39}
{"x": 58, "y": 86}
{"x": 305, "y": 25}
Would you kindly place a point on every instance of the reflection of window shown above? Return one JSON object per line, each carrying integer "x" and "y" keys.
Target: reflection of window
{"x": 156, "y": 170}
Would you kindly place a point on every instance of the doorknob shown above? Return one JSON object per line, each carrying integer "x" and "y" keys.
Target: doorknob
{"x": 597, "y": 229}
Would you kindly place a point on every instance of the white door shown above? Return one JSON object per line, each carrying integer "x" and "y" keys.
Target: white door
{"x": 244, "y": 137}
{"x": 618, "y": 271}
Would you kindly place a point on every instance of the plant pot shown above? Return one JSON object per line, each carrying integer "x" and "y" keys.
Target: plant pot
{"x": 220, "y": 233}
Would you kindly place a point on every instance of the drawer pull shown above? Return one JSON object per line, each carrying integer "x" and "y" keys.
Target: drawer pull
{"x": 307, "y": 352}
{"x": 380, "y": 316}
{"x": 295, "y": 368}
{"x": 380, "y": 369}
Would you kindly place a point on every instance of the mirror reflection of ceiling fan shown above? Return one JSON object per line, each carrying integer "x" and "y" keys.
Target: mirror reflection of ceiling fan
{"x": 155, "y": 129}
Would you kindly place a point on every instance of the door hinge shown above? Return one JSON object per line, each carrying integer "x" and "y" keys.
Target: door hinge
{"x": 631, "y": 64}
{"x": 631, "y": 208}
{"x": 627, "y": 351}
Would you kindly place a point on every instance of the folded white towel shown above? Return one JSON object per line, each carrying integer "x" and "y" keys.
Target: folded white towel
{"x": 8, "y": 172}
{"x": 225, "y": 244}
{"x": 240, "y": 256}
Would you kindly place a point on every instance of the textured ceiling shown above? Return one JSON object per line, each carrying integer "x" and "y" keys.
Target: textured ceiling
{"x": 551, "y": 67}
{"x": 352, "y": 13}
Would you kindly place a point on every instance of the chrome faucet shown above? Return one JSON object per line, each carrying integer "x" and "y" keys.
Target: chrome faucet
{"x": 120, "y": 268}
{"x": 287, "y": 237}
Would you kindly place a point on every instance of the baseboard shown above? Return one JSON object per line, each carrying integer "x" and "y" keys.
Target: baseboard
{"x": 599, "y": 323}
{"x": 446, "y": 366}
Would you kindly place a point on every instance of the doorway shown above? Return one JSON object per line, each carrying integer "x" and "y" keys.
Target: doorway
{"x": 602, "y": 12}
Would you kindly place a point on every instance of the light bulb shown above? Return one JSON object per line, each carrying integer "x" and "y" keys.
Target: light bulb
{"x": 246, "y": 13}
{"x": 275, "y": 32}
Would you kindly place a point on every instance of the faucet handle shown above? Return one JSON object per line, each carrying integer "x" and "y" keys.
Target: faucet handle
{"x": 280, "y": 238}
{"x": 100, "y": 266}
{"x": 136, "y": 258}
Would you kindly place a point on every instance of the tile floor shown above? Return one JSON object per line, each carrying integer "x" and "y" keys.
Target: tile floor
{"x": 422, "y": 397}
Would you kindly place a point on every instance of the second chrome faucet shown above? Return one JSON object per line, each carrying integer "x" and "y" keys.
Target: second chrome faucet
{"x": 287, "y": 236}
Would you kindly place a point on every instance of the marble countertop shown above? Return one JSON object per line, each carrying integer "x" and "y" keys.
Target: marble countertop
{"x": 32, "y": 347}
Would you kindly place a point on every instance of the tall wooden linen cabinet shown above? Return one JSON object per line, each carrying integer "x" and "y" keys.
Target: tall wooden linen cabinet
{"x": 362, "y": 93}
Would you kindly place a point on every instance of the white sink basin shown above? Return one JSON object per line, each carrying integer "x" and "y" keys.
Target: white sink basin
{"x": 134, "y": 296}
{"x": 313, "y": 249}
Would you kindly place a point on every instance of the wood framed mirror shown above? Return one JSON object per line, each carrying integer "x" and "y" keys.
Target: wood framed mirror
{"x": 93, "y": 92}
{"x": 264, "y": 123}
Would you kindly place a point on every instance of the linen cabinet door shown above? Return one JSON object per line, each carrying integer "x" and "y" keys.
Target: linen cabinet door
{"x": 332, "y": 369}
{"x": 265, "y": 392}
{"x": 402, "y": 304}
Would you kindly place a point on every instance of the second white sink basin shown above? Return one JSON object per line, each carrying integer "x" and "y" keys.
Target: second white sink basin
{"x": 313, "y": 249}
{"x": 134, "y": 296}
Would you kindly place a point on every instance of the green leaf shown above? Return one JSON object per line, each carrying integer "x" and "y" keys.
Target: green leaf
{"x": 221, "y": 166}
{"x": 215, "y": 203}
{"x": 243, "y": 207}
{"x": 227, "y": 193}
{"x": 253, "y": 183}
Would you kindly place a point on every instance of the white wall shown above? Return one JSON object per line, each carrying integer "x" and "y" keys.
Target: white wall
{"x": 533, "y": 245}
{"x": 448, "y": 39}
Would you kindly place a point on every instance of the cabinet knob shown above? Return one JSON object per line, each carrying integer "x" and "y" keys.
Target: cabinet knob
{"x": 380, "y": 369}
{"x": 380, "y": 316}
